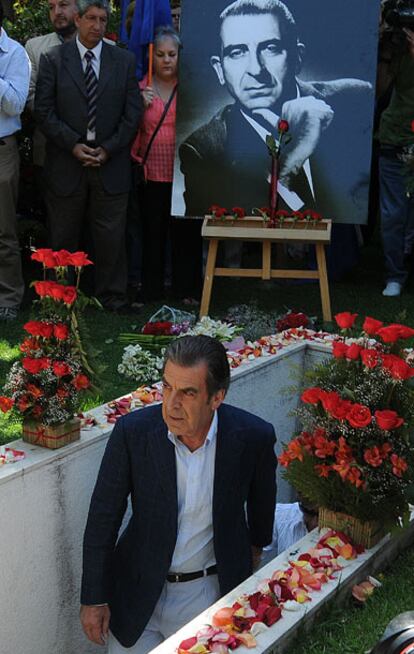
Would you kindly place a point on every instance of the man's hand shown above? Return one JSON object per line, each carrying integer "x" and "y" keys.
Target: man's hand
{"x": 307, "y": 118}
{"x": 256, "y": 556}
{"x": 148, "y": 95}
{"x": 95, "y": 623}
{"x": 84, "y": 154}
{"x": 101, "y": 156}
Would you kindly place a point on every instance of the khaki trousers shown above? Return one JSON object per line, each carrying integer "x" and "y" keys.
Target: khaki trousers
{"x": 11, "y": 279}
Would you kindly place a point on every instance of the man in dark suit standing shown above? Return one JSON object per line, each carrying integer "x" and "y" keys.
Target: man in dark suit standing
{"x": 201, "y": 476}
{"x": 88, "y": 106}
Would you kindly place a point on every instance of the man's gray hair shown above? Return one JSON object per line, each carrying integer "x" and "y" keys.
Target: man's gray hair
{"x": 167, "y": 32}
{"x": 84, "y": 5}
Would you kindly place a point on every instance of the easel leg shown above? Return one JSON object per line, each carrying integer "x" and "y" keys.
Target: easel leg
{"x": 323, "y": 282}
{"x": 266, "y": 260}
{"x": 208, "y": 279}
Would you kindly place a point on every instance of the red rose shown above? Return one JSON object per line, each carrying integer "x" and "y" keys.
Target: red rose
{"x": 353, "y": 352}
{"x": 359, "y": 416}
{"x": 80, "y": 259}
{"x": 6, "y": 404}
{"x": 61, "y": 331}
{"x": 370, "y": 358}
{"x": 371, "y": 326}
{"x": 339, "y": 349}
{"x": 45, "y": 256}
{"x": 238, "y": 211}
{"x": 389, "y": 334}
{"x": 220, "y": 212}
{"x": 345, "y": 320}
{"x": 32, "y": 327}
{"x": 60, "y": 368}
{"x": 81, "y": 382}
{"x": 283, "y": 126}
{"x": 311, "y": 395}
{"x": 397, "y": 367}
{"x": 34, "y": 366}
{"x": 43, "y": 288}
{"x": 63, "y": 258}
{"x": 69, "y": 295}
{"x": 330, "y": 400}
{"x": 399, "y": 465}
{"x": 341, "y": 409}
{"x": 56, "y": 291}
{"x": 404, "y": 331}
{"x": 388, "y": 419}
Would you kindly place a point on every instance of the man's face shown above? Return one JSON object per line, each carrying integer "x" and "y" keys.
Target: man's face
{"x": 253, "y": 63}
{"x": 62, "y": 15}
{"x": 186, "y": 407}
{"x": 91, "y": 26}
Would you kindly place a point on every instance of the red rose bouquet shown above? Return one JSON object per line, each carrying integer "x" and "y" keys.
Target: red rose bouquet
{"x": 47, "y": 381}
{"x": 355, "y": 454}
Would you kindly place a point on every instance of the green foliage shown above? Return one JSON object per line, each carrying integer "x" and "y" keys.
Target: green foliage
{"x": 31, "y": 19}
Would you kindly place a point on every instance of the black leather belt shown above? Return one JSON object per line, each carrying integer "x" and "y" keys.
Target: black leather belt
{"x": 178, "y": 577}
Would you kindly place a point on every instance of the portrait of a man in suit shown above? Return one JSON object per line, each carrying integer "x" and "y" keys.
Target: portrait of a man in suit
{"x": 201, "y": 477}
{"x": 258, "y": 60}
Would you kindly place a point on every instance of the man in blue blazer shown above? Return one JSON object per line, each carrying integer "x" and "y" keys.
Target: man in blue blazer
{"x": 201, "y": 477}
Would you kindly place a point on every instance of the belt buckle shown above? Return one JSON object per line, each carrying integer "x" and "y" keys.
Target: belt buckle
{"x": 177, "y": 578}
{"x": 205, "y": 572}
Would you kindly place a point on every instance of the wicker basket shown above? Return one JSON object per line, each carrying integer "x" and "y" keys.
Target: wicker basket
{"x": 361, "y": 533}
{"x": 51, "y": 436}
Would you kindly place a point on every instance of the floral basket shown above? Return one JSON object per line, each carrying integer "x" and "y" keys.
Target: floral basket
{"x": 366, "y": 533}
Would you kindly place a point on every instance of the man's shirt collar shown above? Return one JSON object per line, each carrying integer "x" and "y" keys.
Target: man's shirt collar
{"x": 82, "y": 50}
{"x": 210, "y": 438}
{"x": 4, "y": 40}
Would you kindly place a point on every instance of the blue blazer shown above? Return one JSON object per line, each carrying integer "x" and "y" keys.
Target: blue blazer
{"x": 139, "y": 461}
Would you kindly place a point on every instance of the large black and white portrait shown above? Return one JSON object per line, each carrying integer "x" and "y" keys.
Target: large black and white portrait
{"x": 247, "y": 63}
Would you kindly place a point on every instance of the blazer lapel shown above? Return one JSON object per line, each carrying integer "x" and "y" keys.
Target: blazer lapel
{"x": 163, "y": 453}
{"x": 107, "y": 69}
{"x": 73, "y": 63}
{"x": 228, "y": 452}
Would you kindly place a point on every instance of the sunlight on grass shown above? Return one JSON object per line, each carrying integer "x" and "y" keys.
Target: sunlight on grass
{"x": 8, "y": 352}
{"x": 10, "y": 429}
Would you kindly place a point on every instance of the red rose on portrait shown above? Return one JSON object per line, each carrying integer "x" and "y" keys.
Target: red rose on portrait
{"x": 283, "y": 126}
{"x": 388, "y": 419}
{"x": 353, "y": 352}
{"x": 371, "y": 326}
{"x": 61, "y": 369}
{"x": 359, "y": 416}
{"x": 345, "y": 320}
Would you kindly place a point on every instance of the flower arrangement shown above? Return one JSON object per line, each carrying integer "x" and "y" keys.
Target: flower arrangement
{"x": 53, "y": 371}
{"x": 355, "y": 454}
{"x": 223, "y": 331}
{"x": 140, "y": 364}
{"x": 239, "y": 624}
{"x": 223, "y": 214}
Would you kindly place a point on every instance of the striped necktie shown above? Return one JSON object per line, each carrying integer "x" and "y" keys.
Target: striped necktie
{"x": 91, "y": 89}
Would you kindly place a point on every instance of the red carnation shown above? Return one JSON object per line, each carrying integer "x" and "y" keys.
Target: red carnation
{"x": 388, "y": 419}
{"x": 6, "y": 404}
{"x": 80, "y": 259}
{"x": 345, "y": 320}
{"x": 34, "y": 366}
{"x": 61, "y": 331}
{"x": 359, "y": 416}
{"x": 60, "y": 368}
{"x": 371, "y": 326}
{"x": 239, "y": 212}
{"x": 283, "y": 126}
{"x": 311, "y": 395}
{"x": 81, "y": 382}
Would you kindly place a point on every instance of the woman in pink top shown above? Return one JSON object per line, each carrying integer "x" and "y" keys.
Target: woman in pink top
{"x": 155, "y": 196}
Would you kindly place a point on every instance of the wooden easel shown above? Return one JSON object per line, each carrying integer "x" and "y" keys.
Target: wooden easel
{"x": 254, "y": 229}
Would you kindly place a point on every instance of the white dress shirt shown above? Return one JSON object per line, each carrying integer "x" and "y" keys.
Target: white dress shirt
{"x": 194, "y": 548}
{"x": 96, "y": 65}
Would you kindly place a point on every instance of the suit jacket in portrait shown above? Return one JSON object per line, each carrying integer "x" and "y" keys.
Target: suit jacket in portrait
{"x": 225, "y": 161}
{"x": 61, "y": 110}
{"x": 140, "y": 461}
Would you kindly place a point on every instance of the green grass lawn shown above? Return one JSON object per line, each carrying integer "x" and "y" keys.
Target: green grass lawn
{"x": 349, "y": 629}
